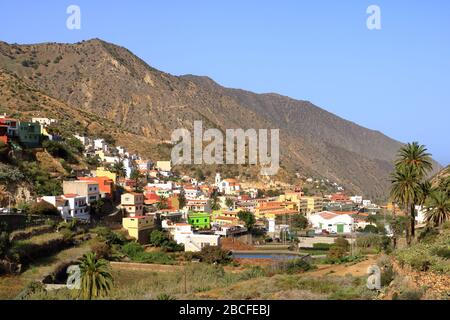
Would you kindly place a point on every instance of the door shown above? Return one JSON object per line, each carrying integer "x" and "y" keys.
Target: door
{"x": 340, "y": 228}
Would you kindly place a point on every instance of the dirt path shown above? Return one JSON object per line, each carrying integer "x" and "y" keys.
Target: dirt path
{"x": 145, "y": 267}
{"x": 357, "y": 270}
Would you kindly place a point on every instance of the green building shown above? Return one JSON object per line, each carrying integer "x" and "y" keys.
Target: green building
{"x": 29, "y": 134}
{"x": 199, "y": 220}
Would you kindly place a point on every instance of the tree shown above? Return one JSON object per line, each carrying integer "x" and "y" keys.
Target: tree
{"x": 182, "y": 200}
{"x": 215, "y": 205}
{"x": 299, "y": 221}
{"x": 248, "y": 218}
{"x": 158, "y": 238}
{"x": 119, "y": 169}
{"x": 96, "y": 277}
{"x": 404, "y": 189}
{"x": 5, "y": 244}
{"x": 415, "y": 157}
{"x": 43, "y": 208}
{"x": 136, "y": 176}
{"x": 213, "y": 255}
{"x": 162, "y": 204}
{"x": 438, "y": 208}
{"x": 398, "y": 226}
{"x": 229, "y": 202}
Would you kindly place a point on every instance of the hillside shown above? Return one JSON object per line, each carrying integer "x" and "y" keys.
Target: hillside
{"x": 100, "y": 87}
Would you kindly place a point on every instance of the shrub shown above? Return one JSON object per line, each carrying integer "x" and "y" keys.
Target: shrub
{"x": 165, "y": 296}
{"x": 409, "y": 295}
{"x": 5, "y": 244}
{"x": 369, "y": 241}
{"x": 370, "y": 229}
{"x": 213, "y": 254}
{"x": 101, "y": 250}
{"x": 322, "y": 246}
{"x": 342, "y": 242}
{"x": 296, "y": 266}
{"x": 429, "y": 234}
{"x": 443, "y": 252}
{"x": 137, "y": 253}
{"x": 161, "y": 239}
{"x": 335, "y": 253}
{"x": 59, "y": 150}
{"x": 110, "y": 236}
{"x": 43, "y": 208}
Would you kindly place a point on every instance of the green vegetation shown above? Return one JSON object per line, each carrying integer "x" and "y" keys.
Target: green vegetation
{"x": 43, "y": 184}
{"x": 248, "y": 218}
{"x": 43, "y": 208}
{"x": 137, "y": 253}
{"x": 432, "y": 254}
{"x": 162, "y": 240}
{"x": 96, "y": 277}
{"x": 213, "y": 255}
{"x": 409, "y": 187}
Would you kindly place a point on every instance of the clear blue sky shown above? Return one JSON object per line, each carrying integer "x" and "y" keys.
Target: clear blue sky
{"x": 396, "y": 80}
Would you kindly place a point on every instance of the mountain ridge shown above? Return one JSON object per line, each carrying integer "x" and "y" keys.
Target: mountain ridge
{"x": 114, "y": 85}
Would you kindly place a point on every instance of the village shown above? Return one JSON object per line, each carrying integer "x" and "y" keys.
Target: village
{"x": 142, "y": 213}
{"x": 146, "y": 195}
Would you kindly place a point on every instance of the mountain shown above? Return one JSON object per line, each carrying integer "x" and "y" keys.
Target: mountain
{"x": 99, "y": 87}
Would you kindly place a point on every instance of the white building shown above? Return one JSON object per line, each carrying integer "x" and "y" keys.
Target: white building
{"x": 43, "y": 121}
{"x": 100, "y": 144}
{"x": 227, "y": 186}
{"x": 182, "y": 233}
{"x": 421, "y": 215}
{"x": 71, "y": 206}
{"x": 192, "y": 193}
{"x": 366, "y": 203}
{"x": 357, "y": 199}
{"x": 83, "y": 139}
{"x": 332, "y": 222}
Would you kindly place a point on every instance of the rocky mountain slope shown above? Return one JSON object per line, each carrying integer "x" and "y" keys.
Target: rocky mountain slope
{"x": 100, "y": 87}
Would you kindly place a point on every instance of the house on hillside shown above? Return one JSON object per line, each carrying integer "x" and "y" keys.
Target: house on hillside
{"x": 71, "y": 206}
{"x": 133, "y": 204}
{"x": 88, "y": 189}
{"x": 29, "y": 134}
{"x": 227, "y": 186}
{"x": 139, "y": 227}
{"x": 105, "y": 184}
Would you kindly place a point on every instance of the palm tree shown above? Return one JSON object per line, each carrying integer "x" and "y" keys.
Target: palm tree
{"x": 438, "y": 208}
{"x": 119, "y": 169}
{"x": 96, "y": 278}
{"x": 415, "y": 156}
{"x": 404, "y": 189}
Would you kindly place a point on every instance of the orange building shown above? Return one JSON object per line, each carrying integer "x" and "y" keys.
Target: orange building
{"x": 106, "y": 185}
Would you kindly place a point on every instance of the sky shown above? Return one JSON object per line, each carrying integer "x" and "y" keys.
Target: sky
{"x": 395, "y": 79}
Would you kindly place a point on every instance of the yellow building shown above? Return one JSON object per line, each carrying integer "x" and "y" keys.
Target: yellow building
{"x": 313, "y": 204}
{"x": 101, "y": 154}
{"x": 102, "y": 172}
{"x": 139, "y": 227}
{"x": 164, "y": 165}
{"x": 133, "y": 203}
{"x": 303, "y": 204}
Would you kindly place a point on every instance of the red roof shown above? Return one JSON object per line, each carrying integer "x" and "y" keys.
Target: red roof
{"x": 71, "y": 195}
